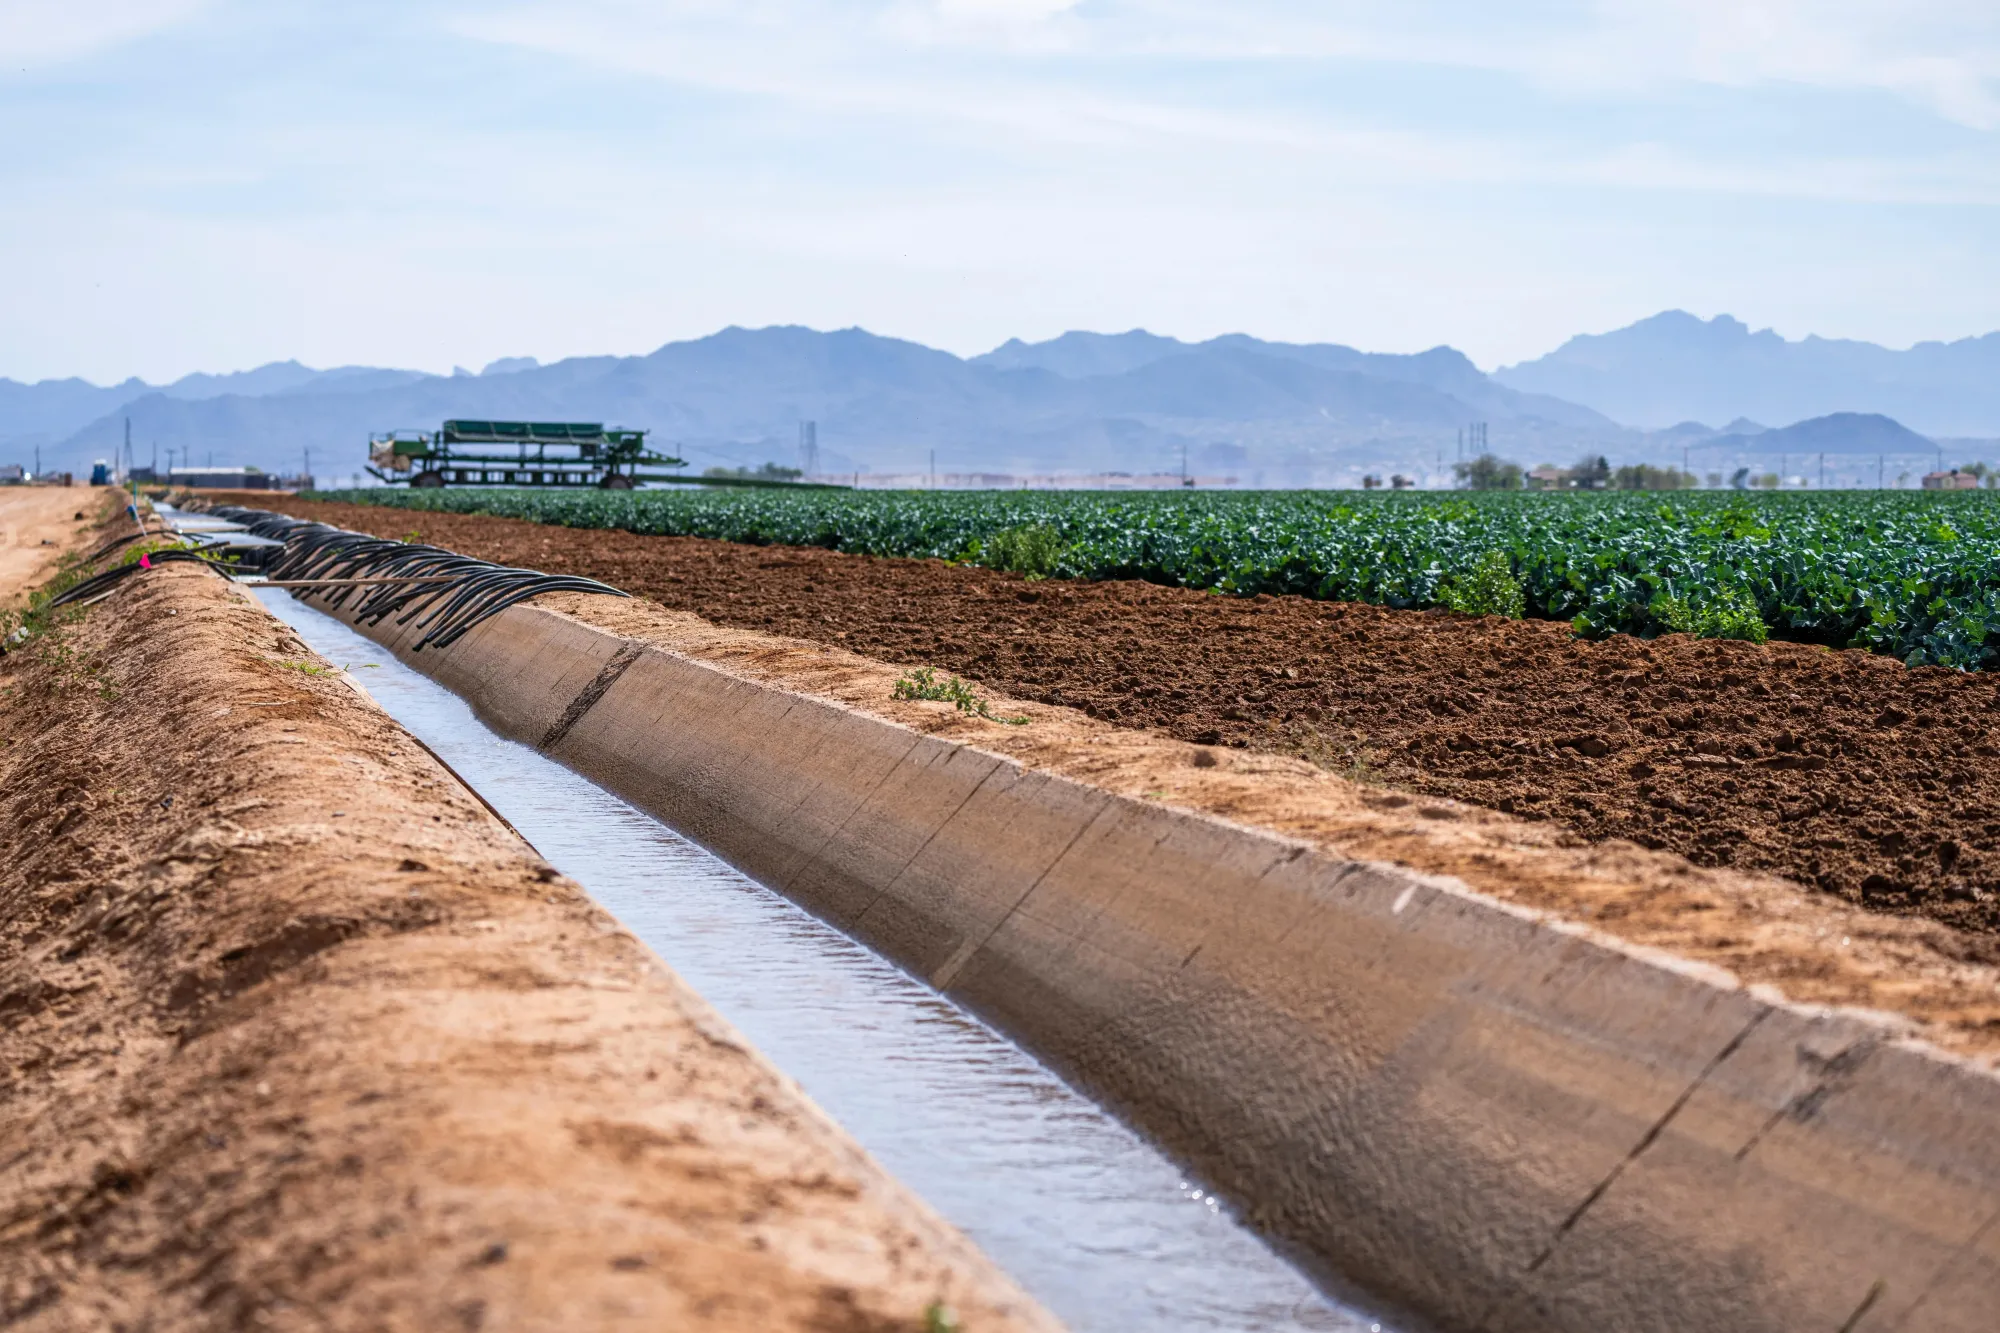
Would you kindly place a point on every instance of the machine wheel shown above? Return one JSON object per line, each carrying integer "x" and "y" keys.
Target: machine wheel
{"x": 428, "y": 480}
{"x": 616, "y": 482}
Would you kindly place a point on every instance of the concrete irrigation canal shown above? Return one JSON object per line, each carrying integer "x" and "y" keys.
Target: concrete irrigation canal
{"x": 1096, "y": 1224}
{"x": 362, "y": 930}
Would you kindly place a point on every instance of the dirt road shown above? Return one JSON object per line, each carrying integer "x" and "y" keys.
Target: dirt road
{"x": 295, "y": 1035}
{"x": 1840, "y": 770}
{"x": 36, "y": 524}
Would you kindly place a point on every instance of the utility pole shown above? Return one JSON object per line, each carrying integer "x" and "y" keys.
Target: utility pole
{"x": 307, "y": 475}
{"x": 1822, "y": 471}
{"x": 1880, "y": 465}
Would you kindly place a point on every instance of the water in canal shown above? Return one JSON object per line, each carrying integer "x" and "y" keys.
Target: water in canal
{"x": 1105, "y": 1231}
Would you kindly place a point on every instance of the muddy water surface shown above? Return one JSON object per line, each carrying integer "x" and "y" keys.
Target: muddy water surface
{"x": 1106, "y": 1232}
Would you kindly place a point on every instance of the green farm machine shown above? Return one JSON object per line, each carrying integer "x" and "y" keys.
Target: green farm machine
{"x": 474, "y": 453}
{"x": 519, "y": 453}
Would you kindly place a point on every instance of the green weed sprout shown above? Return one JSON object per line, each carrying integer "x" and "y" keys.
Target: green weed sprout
{"x": 923, "y": 683}
{"x": 1489, "y": 590}
{"x": 1031, "y": 549}
{"x": 1729, "y": 613}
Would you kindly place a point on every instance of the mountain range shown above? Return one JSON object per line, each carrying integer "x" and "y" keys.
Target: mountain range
{"x": 1292, "y": 413}
{"x": 1675, "y": 367}
{"x": 1267, "y": 413}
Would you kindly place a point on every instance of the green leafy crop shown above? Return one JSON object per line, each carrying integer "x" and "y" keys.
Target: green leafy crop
{"x": 1913, "y": 574}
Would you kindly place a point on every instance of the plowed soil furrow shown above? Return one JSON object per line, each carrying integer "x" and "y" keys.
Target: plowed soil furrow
{"x": 1842, "y": 770}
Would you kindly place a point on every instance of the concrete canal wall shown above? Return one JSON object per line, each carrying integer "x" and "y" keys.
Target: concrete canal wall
{"x": 1504, "y": 1123}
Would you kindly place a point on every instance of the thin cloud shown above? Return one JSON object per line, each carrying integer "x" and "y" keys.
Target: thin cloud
{"x": 811, "y": 56}
{"x": 43, "y": 32}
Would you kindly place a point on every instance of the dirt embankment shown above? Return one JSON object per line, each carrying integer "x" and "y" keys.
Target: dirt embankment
{"x": 294, "y": 1034}
{"x": 1841, "y": 770}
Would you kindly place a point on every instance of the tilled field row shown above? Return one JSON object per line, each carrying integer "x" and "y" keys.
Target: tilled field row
{"x": 1842, "y": 770}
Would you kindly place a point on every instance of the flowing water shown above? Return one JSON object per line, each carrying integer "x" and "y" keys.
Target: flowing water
{"x": 1102, "y": 1229}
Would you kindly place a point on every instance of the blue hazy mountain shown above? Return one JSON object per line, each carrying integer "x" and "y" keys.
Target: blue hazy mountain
{"x": 1836, "y": 433}
{"x": 1088, "y": 402}
{"x": 1675, "y": 367}
{"x": 47, "y": 412}
{"x": 1078, "y": 355}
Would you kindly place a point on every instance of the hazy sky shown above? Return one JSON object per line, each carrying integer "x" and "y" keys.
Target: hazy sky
{"x": 209, "y": 185}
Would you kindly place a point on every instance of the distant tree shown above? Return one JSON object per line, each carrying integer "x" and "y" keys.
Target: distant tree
{"x": 1976, "y": 469}
{"x": 1399, "y": 482}
{"x": 768, "y": 472}
{"x": 1768, "y": 481}
{"x": 1591, "y": 474}
{"x": 1371, "y": 482}
{"x": 1487, "y": 473}
{"x": 1715, "y": 481}
{"x": 1645, "y": 477}
{"x": 1740, "y": 479}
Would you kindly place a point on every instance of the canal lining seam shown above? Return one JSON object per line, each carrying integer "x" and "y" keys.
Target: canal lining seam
{"x": 586, "y": 699}
{"x": 1647, "y": 1140}
{"x": 1971, "y": 1245}
{"x": 945, "y": 975}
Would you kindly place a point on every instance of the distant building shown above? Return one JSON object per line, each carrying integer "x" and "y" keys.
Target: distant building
{"x": 1547, "y": 478}
{"x": 12, "y": 474}
{"x": 1953, "y": 480}
{"x": 222, "y": 478}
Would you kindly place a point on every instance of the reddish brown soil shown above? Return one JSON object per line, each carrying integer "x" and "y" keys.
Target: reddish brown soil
{"x": 294, "y": 1034}
{"x": 1839, "y": 769}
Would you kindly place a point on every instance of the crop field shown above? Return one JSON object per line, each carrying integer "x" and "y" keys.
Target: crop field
{"x": 1913, "y": 575}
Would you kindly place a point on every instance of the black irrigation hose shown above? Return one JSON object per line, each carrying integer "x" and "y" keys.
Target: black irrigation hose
{"x": 111, "y": 577}
{"x": 475, "y": 590}
{"x": 117, "y": 542}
